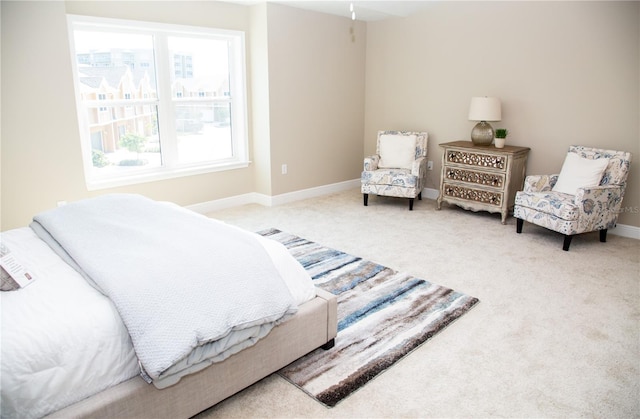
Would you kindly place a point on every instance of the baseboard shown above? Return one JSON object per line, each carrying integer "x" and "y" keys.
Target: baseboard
{"x": 220, "y": 204}
{"x": 625, "y": 231}
{"x": 430, "y": 193}
{"x": 269, "y": 201}
{"x": 314, "y": 192}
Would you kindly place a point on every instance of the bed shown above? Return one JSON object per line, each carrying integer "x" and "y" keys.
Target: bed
{"x": 77, "y": 342}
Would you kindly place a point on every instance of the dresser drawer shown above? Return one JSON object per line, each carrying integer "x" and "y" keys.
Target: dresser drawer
{"x": 483, "y": 196}
{"x": 478, "y": 159}
{"x": 491, "y": 179}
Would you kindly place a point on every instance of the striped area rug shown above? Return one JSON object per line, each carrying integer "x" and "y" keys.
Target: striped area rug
{"x": 382, "y": 316}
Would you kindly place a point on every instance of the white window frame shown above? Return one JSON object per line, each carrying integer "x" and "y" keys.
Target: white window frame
{"x": 167, "y": 132}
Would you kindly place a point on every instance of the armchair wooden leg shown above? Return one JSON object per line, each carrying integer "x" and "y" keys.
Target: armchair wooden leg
{"x": 603, "y": 236}
{"x": 410, "y": 204}
{"x": 519, "y": 223}
{"x": 366, "y": 199}
{"x": 420, "y": 196}
{"x": 567, "y": 242}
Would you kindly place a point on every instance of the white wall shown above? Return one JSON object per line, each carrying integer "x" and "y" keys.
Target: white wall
{"x": 259, "y": 84}
{"x": 306, "y": 103}
{"x": 41, "y": 158}
{"x": 40, "y": 151}
{"x": 566, "y": 72}
{"x": 316, "y": 83}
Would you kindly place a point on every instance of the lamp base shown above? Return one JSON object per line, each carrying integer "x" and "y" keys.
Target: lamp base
{"x": 482, "y": 133}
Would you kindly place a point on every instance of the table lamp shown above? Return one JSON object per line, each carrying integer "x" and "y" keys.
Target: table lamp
{"x": 484, "y": 109}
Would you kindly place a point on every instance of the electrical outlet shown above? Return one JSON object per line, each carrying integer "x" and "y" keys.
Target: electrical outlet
{"x": 284, "y": 169}
{"x": 430, "y": 165}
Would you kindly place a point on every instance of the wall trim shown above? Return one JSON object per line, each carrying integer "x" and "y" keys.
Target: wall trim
{"x": 219, "y": 204}
{"x": 315, "y": 192}
{"x": 626, "y": 231}
{"x": 270, "y": 201}
{"x": 430, "y": 193}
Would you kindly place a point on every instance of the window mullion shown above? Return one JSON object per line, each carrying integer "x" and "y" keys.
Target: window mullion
{"x": 166, "y": 110}
{"x": 237, "y": 85}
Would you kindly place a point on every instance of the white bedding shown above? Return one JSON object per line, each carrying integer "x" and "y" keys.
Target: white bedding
{"x": 63, "y": 341}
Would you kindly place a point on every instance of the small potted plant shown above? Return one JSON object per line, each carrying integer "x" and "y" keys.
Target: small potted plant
{"x": 501, "y": 137}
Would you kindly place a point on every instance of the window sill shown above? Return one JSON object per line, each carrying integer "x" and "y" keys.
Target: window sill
{"x": 134, "y": 179}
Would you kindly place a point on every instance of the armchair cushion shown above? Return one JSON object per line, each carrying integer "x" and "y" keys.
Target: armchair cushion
{"x": 397, "y": 151}
{"x": 393, "y": 177}
{"x": 578, "y": 172}
{"x": 557, "y": 205}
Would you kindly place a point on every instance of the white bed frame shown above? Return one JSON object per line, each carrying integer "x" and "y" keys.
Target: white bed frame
{"x": 313, "y": 326}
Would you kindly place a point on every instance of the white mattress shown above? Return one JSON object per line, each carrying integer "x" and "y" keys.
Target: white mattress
{"x": 63, "y": 341}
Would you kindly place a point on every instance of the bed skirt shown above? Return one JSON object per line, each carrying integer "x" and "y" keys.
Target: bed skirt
{"x": 312, "y": 326}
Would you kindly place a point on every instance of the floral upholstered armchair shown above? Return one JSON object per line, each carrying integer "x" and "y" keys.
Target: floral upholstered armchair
{"x": 398, "y": 168}
{"x": 586, "y": 196}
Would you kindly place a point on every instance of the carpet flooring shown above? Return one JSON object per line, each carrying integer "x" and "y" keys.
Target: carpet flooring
{"x": 382, "y": 316}
{"x": 556, "y": 334}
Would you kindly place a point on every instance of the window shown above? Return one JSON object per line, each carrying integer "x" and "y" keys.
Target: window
{"x": 157, "y": 101}
{"x": 102, "y": 96}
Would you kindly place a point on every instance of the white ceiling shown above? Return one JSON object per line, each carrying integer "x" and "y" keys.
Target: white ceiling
{"x": 369, "y": 11}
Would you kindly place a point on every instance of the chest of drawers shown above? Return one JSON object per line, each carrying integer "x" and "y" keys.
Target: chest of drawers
{"x": 481, "y": 178}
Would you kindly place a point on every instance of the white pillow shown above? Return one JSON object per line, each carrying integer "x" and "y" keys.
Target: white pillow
{"x": 579, "y": 172}
{"x": 397, "y": 151}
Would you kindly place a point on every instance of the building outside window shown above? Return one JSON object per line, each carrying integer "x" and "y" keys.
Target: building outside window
{"x": 157, "y": 101}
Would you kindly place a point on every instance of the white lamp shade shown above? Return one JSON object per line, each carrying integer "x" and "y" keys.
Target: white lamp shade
{"x": 485, "y": 109}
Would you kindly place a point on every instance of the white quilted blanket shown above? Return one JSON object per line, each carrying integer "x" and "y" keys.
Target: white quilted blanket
{"x": 189, "y": 290}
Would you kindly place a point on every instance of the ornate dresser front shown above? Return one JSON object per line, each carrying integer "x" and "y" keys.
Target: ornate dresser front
{"x": 482, "y": 178}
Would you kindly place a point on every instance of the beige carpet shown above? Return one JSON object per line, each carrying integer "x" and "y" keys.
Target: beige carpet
{"x": 557, "y": 333}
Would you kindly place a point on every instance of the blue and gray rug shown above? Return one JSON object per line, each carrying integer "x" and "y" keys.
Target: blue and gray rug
{"x": 382, "y": 316}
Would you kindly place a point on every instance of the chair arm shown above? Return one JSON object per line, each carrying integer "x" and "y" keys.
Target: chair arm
{"x": 419, "y": 167}
{"x": 611, "y": 195}
{"x": 539, "y": 183}
{"x": 371, "y": 163}
{"x": 598, "y": 206}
